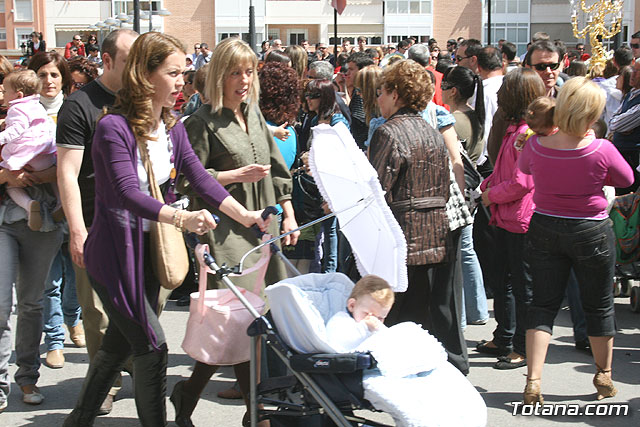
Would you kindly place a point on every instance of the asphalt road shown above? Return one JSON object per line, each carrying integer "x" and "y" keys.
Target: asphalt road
{"x": 567, "y": 379}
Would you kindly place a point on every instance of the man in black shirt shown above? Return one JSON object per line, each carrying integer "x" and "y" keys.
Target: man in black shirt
{"x": 76, "y": 123}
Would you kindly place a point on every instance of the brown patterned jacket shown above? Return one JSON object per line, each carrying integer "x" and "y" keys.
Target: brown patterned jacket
{"x": 412, "y": 164}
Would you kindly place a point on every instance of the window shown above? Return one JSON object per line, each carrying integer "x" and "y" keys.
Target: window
{"x": 23, "y": 10}
{"x": 273, "y": 34}
{"x": 3, "y": 34}
{"x": 1, "y": 6}
{"x": 124, "y": 6}
{"x": 413, "y": 7}
{"x": 295, "y": 36}
{"x": 419, "y": 39}
{"x": 23, "y": 35}
{"x": 517, "y": 34}
{"x": 222, "y": 36}
{"x": 509, "y": 6}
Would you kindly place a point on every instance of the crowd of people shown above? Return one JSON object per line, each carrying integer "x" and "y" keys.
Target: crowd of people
{"x": 482, "y": 156}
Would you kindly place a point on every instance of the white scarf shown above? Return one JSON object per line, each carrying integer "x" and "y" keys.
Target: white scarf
{"x": 52, "y": 105}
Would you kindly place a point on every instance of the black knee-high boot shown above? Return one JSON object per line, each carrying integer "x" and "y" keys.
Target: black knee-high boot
{"x": 103, "y": 371}
{"x": 150, "y": 388}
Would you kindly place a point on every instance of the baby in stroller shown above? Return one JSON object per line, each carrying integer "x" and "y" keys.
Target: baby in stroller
{"x": 367, "y": 307}
{"x": 413, "y": 381}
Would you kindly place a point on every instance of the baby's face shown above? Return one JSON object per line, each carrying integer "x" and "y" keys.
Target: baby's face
{"x": 10, "y": 95}
{"x": 543, "y": 131}
{"x": 366, "y": 306}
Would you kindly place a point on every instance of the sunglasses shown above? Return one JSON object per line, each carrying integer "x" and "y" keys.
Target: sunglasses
{"x": 544, "y": 65}
{"x": 460, "y": 58}
{"x": 635, "y": 45}
{"x": 446, "y": 85}
{"x": 312, "y": 95}
{"x": 77, "y": 40}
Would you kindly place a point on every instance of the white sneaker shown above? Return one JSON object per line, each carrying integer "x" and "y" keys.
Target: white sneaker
{"x": 31, "y": 394}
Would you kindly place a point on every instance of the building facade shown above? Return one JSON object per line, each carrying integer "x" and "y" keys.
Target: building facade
{"x": 18, "y": 19}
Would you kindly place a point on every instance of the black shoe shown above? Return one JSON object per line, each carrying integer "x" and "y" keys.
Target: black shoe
{"x": 184, "y": 405}
{"x": 107, "y": 405}
{"x": 505, "y": 363}
{"x": 482, "y": 347}
{"x": 584, "y": 345}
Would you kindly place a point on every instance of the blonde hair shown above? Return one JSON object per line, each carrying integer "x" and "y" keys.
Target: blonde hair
{"x": 227, "y": 55}
{"x": 579, "y": 104}
{"x": 299, "y": 59}
{"x": 368, "y": 81}
{"x": 376, "y": 287}
{"x": 25, "y": 81}
{"x": 134, "y": 100}
{"x": 540, "y": 112}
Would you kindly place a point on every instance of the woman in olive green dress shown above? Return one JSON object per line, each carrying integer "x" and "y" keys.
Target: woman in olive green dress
{"x": 232, "y": 140}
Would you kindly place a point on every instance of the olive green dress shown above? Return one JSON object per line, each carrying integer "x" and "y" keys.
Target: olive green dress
{"x": 221, "y": 145}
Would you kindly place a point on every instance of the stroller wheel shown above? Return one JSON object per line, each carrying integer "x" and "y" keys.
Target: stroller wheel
{"x": 635, "y": 299}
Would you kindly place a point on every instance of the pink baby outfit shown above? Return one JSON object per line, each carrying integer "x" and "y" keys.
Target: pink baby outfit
{"x": 29, "y": 136}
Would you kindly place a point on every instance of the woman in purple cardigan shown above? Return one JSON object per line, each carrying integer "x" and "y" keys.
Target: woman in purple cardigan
{"x": 118, "y": 242}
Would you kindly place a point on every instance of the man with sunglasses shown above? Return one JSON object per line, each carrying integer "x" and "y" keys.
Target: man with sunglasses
{"x": 635, "y": 44}
{"x": 546, "y": 59}
{"x": 467, "y": 54}
{"x": 77, "y": 43}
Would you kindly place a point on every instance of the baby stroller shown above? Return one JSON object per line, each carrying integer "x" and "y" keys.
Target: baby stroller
{"x": 625, "y": 215}
{"x": 325, "y": 387}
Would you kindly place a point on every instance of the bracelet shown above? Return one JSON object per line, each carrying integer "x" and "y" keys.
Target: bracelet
{"x": 174, "y": 218}
{"x": 181, "y": 221}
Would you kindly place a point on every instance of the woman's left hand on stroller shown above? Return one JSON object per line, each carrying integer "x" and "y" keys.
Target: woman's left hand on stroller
{"x": 199, "y": 222}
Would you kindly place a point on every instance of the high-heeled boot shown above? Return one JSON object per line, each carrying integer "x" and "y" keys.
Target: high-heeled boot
{"x": 532, "y": 392}
{"x": 105, "y": 368}
{"x": 150, "y": 388}
{"x": 184, "y": 404}
{"x": 603, "y": 383}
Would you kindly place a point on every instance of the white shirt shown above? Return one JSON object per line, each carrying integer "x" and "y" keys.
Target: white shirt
{"x": 490, "y": 87}
{"x": 160, "y": 152}
{"x": 614, "y": 98}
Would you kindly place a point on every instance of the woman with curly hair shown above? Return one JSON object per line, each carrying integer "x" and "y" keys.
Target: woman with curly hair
{"x": 82, "y": 72}
{"x": 280, "y": 103}
{"x": 141, "y": 126}
{"x": 413, "y": 167}
{"x": 508, "y": 193}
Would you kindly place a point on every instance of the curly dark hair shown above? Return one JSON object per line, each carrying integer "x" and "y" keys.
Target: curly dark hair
{"x": 280, "y": 93}
{"x": 82, "y": 65}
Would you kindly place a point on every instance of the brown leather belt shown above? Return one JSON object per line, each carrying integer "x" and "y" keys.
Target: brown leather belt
{"x": 417, "y": 204}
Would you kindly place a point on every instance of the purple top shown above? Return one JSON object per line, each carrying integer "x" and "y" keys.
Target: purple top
{"x": 114, "y": 248}
{"x": 569, "y": 182}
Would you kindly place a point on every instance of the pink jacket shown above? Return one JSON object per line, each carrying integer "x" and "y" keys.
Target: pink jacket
{"x": 511, "y": 192}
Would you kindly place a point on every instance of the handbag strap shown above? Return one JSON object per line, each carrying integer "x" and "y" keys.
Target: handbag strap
{"x": 154, "y": 188}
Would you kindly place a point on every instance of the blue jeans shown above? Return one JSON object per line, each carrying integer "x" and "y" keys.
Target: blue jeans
{"x": 474, "y": 307}
{"x": 25, "y": 259}
{"x": 60, "y": 300}
{"x": 330, "y": 245}
{"x": 556, "y": 245}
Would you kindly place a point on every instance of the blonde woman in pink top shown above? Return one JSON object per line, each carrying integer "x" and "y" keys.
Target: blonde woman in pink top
{"x": 570, "y": 229}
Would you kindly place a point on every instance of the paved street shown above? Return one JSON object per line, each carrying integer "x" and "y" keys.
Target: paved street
{"x": 567, "y": 379}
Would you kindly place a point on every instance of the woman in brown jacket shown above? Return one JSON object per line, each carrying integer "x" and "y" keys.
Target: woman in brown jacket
{"x": 412, "y": 163}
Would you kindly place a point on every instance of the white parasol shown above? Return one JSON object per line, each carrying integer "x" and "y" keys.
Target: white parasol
{"x": 350, "y": 185}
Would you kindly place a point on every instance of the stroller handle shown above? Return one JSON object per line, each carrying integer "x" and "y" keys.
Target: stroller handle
{"x": 269, "y": 210}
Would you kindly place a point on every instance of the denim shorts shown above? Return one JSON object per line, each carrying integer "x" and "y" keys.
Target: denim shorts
{"x": 555, "y": 246}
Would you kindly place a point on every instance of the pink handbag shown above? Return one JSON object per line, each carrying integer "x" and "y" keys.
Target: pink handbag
{"x": 217, "y": 327}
